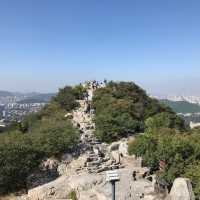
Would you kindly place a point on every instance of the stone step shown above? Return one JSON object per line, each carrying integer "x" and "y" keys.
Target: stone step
{"x": 94, "y": 158}
{"x": 93, "y": 163}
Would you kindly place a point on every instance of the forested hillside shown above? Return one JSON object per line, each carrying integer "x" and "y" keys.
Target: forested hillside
{"x": 38, "y": 136}
{"x": 182, "y": 106}
{"x": 122, "y": 108}
{"x": 179, "y": 151}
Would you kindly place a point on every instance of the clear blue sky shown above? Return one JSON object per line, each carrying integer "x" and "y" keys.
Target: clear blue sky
{"x": 45, "y": 44}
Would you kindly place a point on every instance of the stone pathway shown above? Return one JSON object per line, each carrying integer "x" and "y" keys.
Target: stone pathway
{"x": 98, "y": 156}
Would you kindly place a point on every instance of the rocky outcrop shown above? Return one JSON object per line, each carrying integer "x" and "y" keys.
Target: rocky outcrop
{"x": 93, "y": 187}
{"x": 181, "y": 190}
{"x": 85, "y": 174}
{"x": 99, "y": 158}
{"x": 123, "y": 148}
{"x": 46, "y": 172}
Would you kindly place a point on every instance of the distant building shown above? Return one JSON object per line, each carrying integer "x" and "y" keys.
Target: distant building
{"x": 4, "y": 114}
{"x": 194, "y": 125}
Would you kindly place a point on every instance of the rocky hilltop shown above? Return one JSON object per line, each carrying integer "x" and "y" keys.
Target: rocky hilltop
{"x": 65, "y": 150}
{"x": 85, "y": 175}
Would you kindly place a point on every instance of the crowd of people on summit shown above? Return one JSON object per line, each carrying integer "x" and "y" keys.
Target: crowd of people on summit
{"x": 91, "y": 86}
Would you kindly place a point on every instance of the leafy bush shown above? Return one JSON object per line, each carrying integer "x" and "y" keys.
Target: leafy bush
{"x": 20, "y": 153}
{"x": 165, "y": 120}
{"x": 79, "y": 91}
{"x": 52, "y": 137}
{"x": 181, "y": 153}
{"x": 121, "y": 109}
{"x": 72, "y": 195}
{"x": 66, "y": 98}
{"x": 192, "y": 172}
{"x": 25, "y": 144}
{"x": 17, "y": 159}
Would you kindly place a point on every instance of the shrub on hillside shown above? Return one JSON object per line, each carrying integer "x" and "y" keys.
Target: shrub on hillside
{"x": 72, "y": 195}
{"x": 165, "y": 120}
{"x": 17, "y": 159}
{"x": 66, "y": 98}
{"x": 52, "y": 137}
{"x": 79, "y": 91}
{"x": 181, "y": 153}
{"x": 121, "y": 109}
{"x": 20, "y": 153}
{"x": 39, "y": 135}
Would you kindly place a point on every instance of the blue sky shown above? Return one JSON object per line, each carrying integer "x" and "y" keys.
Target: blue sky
{"x": 46, "y": 44}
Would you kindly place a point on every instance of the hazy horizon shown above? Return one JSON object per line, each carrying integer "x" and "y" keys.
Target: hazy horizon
{"x": 48, "y": 44}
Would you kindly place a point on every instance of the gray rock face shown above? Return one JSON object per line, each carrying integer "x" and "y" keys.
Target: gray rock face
{"x": 47, "y": 172}
{"x": 181, "y": 190}
{"x": 123, "y": 148}
{"x": 50, "y": 163}
{"x": 114, "y": 146}
{"x": 93, "y": 187}
{"x": 61, "y": 187}
{"x": 57, "y": 189}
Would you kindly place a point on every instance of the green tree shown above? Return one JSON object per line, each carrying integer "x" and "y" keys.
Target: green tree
{"x": 25, "y": 144}
{"x": 17, "y": 159}
{"x": 122, "y": 108}
{"x": 51, "y": 137}
{"x": 66, "y": 98}
{"x": 192, "y": 172}
{"x": 79, "y": 92}
{"x": 165, "y": 120}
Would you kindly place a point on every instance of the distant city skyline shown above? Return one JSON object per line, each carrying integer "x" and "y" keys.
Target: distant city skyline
{"x": 45, "y": 45}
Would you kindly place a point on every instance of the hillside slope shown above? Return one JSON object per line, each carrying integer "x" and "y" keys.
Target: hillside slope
{"x": 182, "y": 106}
{"x": 122, "y": 109}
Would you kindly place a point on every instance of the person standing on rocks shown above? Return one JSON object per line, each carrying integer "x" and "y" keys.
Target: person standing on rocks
{"x": 86, "y": 95}
{"x": 134, "y": 175}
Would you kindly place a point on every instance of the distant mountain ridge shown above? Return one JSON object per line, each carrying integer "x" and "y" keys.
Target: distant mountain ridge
{"x": 182, "y": 106}
{"x": 33, "y": 97}
{"x": 38, "y": 98}
{"x": 5, "y": 93}
{"x": 191, "y": 99}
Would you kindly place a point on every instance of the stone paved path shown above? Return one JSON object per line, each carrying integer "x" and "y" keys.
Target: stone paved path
{"x": 98, "y": 157}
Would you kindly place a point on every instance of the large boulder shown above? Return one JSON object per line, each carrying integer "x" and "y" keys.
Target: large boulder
{"x": 123, "y": 148}
{"x": 114, "y": 146}
{"x": 46, "y": 172}
{"x": 116, "y": 156}
{"x": 61, "y": 187}
{"x": 181, "y": 190}
{"x": 69, "y": 116}
{"x": 58, "y": 189}
{"x": 49, "y": 164}
{"x": 67, "y": 157}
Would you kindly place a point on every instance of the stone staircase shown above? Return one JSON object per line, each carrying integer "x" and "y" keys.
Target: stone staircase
{"x": 98, "y": 156}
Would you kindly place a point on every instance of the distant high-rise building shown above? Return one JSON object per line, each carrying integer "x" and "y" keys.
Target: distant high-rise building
{"x": 4, "y": 114}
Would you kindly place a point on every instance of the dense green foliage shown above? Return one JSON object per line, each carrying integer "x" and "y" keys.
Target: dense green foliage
{"x": 79, "y": 91}
{"x": 66, "y": 98}
{"x": 25, "y": 144}
{"x": 17, "y": 158}
{"x": 72, "y": 195}
{"x": 182, "y": 106}
{"x": 181, "y": 152}
{"x": 166, "y": 120}
{"x": 121, "y": 109}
